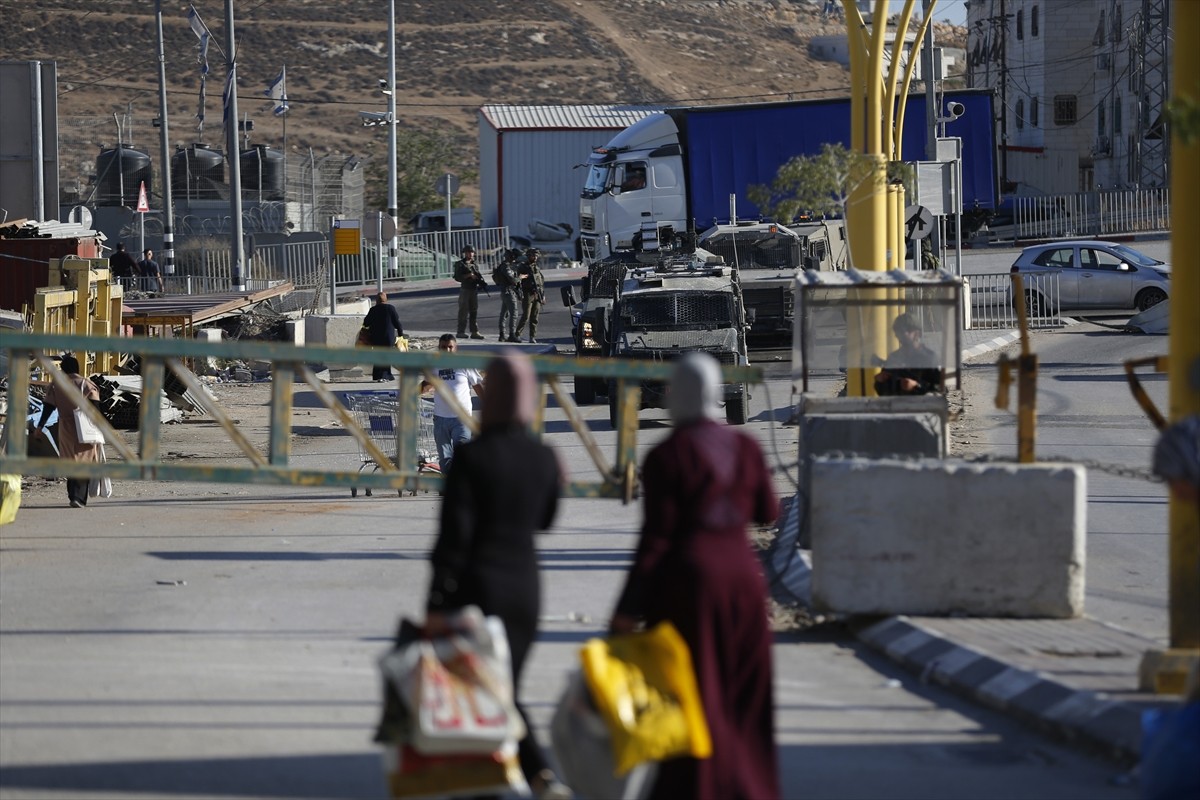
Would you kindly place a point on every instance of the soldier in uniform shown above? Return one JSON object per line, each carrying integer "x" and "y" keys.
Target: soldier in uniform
{"x": 533, "y": 294}
{"x": 466, "y": 272}
{"x": 505, "y": 276}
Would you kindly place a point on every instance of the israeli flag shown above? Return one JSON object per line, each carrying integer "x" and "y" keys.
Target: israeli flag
{"x": 277, "y": 91}
{"x": 203, "y": 34}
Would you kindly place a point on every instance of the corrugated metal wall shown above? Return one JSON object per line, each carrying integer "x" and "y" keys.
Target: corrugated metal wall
{"x": 489, "y": 176}
{"x": 538, "y": 179}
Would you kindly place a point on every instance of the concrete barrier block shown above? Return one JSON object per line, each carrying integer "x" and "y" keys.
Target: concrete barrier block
{"x": 339, "y": 330}
{"x": 932, "y": 537}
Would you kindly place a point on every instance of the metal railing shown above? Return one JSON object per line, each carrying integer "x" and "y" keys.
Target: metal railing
{"x": 205, "y": 268}
{"x": 1091, "y": 214}
{"x": 992, "y": 306}
{"x": 289, "y": 364}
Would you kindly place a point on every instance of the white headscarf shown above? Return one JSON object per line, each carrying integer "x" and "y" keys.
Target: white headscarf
{"x": 695, "y": 389}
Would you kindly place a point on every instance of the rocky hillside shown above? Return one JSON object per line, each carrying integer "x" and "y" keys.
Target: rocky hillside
{"x": 452, "y": 57}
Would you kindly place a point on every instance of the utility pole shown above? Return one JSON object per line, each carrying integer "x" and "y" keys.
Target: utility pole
{"x": 236, "y": 249}
{"x": 164, "y": 141}
{"x": 391, "y": 199}
{"x": 931, "y": 131}
{"x": 1003, "y": 99}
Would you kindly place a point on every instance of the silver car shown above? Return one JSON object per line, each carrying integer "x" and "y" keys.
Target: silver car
{"x": 1093, "y": 274}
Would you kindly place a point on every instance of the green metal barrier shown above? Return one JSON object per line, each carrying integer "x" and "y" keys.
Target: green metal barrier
{"x": 290, "y": 365}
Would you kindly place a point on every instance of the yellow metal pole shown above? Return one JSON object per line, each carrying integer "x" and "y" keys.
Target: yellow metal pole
{"x": 866, "y": 212}
{"x": 1165, "y": 671}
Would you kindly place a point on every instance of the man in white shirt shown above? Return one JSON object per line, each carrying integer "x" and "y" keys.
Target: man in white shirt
{"x": 448, "y": 430}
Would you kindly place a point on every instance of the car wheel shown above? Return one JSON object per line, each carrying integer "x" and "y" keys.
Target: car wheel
{"x": 1035, "y": 304}
{"x": 1149, "y": 297}
{"x": 585, "y": 391}
{"x": 736, "y": 409}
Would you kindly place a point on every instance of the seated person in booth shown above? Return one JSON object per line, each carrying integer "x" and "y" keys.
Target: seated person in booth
{"x": 912, "y": 368}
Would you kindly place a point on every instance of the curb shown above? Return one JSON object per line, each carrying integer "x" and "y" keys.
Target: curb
{"x": 991, "y": 344}
{"x": 1043, "y": 702}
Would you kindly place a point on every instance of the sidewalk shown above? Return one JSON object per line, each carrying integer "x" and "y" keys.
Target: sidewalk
{"x": 1076, "y": 679}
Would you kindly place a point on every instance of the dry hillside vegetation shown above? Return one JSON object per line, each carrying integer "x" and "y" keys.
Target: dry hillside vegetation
{"x": 452, "y": 57}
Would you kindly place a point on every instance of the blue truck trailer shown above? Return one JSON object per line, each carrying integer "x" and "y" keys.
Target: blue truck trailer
{"x": 677, "y": 168}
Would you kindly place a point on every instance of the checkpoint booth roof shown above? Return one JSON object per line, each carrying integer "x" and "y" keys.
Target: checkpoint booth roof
{"x": 844, "y": 321}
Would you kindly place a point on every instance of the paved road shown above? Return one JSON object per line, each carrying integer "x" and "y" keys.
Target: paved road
{"x": 187, "y": 642}
{"x": 1087, "y": 413}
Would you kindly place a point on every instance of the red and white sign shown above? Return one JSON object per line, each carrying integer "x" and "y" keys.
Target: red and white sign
{"x": 143, "y": 205}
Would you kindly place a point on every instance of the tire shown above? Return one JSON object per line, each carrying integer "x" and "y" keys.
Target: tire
{"x": 1035, "y": 304}
{"x": 585, "y": 391}
{"x": 1149, "y": 297}
{"x": 736, "y": 409}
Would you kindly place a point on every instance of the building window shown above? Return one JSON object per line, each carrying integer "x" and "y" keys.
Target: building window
{"x": 1021, "y": 114}
{"x": 1033, "y": 22}
{"x": 1098, "y": 39}
{"x": 1100, "y": 120}
{"x": 1033, "y": 112}
{"x": 1021, "y": 24}
{"x": 1117, "y": 114}
{"x": 1118, "y": 23}
{"x": 1065, "y": 109}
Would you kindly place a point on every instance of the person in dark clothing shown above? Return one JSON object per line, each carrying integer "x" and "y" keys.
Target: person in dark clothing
{"x": 470, "y": 280}
{"x": 533, "y": 294}
{"x": 501, "y": 488}
{"x": 505, "y": 277}
{"x": 912, "y": 368}
{"x": 122, "y": 264}
{"x": 150, "y": 272}
{"x": 383, "y": 326}
{"x": 694, "y": 567}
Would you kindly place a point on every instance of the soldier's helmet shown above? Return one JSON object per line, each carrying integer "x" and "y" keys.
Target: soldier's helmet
{"x": 512, "y": 254}
{"x": 468, "y": 249}
{"x": 532, "y": 253}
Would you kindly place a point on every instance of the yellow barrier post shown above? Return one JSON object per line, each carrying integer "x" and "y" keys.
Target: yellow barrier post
{"x": 1165, "y": 670}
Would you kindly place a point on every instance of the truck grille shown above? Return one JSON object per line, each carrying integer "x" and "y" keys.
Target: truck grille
{"x": 587, "y": 223}
{"x": 722, "y": 356}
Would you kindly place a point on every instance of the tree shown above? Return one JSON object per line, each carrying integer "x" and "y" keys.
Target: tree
{"x": 821, "y": 185}
{"x": 420, "y": 160}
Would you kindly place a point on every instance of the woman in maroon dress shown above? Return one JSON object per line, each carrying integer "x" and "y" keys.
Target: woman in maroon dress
{"x": 694, "y": 567}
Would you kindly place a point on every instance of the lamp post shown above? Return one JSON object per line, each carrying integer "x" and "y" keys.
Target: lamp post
{"x": 391, "y": 94}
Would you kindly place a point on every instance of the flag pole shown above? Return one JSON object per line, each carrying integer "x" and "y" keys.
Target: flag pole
{"x": 236, "y": 250}
{"x": 168, "y": 235}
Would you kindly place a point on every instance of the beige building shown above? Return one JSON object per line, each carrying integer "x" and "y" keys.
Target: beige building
{"x": 1081, "y": 87}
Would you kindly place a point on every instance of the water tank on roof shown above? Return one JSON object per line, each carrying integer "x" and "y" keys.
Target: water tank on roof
{"x": 262, "y": 173}
{"x": 120, "y": 172}
{"x": 197, "y": 173}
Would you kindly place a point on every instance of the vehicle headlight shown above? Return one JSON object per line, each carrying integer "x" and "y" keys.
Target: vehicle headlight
{"x": 1164, "y": 275}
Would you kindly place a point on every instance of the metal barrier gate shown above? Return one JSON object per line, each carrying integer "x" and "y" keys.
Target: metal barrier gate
{"x": 289, "y": 363}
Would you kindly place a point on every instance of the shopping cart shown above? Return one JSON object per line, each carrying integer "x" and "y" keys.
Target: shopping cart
{"x": 375, "y": 413}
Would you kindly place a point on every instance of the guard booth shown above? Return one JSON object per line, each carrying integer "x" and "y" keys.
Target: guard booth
{"x": 844, "y": 332}
{"x": 844, "y": 324}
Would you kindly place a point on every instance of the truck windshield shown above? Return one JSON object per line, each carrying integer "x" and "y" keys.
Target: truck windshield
{"x": 597, "y": 180}
{"x": 679, "y": 310}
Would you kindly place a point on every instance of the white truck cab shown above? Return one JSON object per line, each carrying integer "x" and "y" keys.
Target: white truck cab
{"x": 634, "y": 184}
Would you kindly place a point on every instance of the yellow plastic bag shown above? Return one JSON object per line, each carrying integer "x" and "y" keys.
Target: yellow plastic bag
{"x": 645, "y": 689}
{"x": 10, "y": 497}
{"x": 402, "y": 344}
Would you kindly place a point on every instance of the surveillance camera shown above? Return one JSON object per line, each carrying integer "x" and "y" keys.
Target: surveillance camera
{"x": 383, "y": 83}
{"x": 955, "y": 110}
